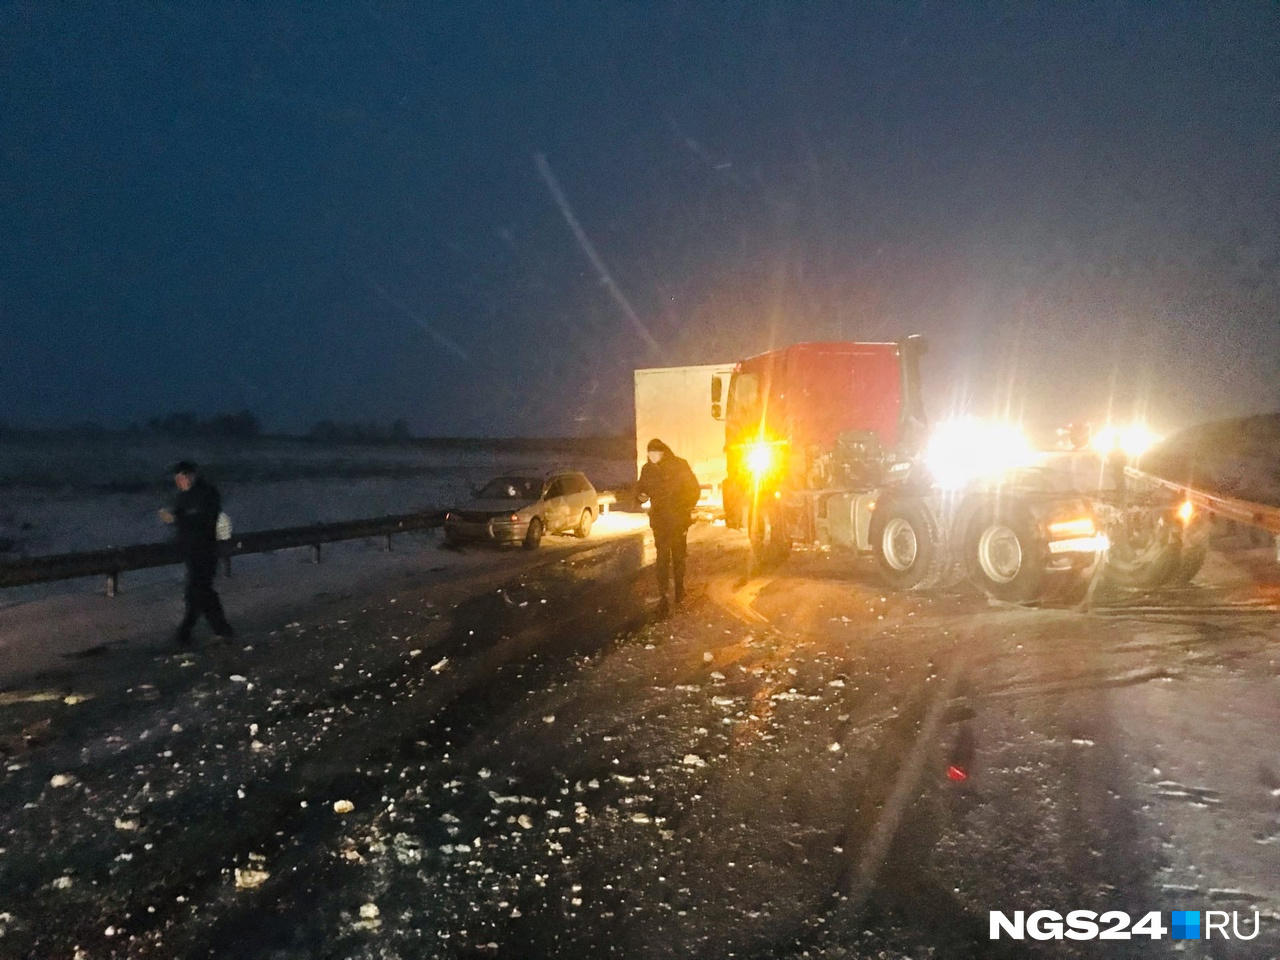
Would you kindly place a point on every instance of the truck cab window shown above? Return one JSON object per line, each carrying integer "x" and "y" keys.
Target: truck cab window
{"x": 744, "y": 394}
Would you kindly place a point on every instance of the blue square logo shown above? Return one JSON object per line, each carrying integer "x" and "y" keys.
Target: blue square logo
{"x": 1186, "y": 924}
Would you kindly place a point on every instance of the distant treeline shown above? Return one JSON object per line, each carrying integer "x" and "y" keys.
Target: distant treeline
{"x": 331, "y": 430}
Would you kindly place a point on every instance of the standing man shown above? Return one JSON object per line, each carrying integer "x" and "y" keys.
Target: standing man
{"x": 672, "y": 490}
{"x": 195, "y": 513}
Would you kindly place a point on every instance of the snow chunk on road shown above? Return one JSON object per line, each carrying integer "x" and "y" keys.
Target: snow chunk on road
{"x": 343, "y": 806}
{"x": 250, "y": 878}
{"x": 440, "y": 665}
{"x": 693, "y": 760}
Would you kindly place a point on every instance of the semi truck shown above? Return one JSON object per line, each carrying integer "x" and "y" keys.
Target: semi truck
{"x": 671, "y": 405}
{"x": 827, "y": 444}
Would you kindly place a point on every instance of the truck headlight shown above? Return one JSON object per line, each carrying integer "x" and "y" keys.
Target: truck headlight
{"x": 1132, "y": 440}
{"x": 760, "y": 458}
{"x": 962, "y": 451}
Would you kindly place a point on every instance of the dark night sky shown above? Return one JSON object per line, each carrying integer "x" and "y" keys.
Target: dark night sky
{"x": 336, "y": 210}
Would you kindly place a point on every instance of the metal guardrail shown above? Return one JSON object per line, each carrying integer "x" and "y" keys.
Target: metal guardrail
{"x": 1259, "y": 515}
{"x": 117, "y": 560}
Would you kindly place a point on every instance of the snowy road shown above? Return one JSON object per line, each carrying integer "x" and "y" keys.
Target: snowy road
{"x": 510, "y": 756}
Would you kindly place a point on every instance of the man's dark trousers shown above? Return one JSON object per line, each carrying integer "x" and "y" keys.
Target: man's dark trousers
{"x": 672, "y": 548}
{"x": 200, "y": 596}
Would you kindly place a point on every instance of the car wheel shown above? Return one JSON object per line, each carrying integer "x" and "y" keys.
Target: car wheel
{"x": 533, "y": 538}
{"x": 583, "y": 530}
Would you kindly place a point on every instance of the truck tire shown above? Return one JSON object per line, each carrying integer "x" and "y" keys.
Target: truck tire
{"x": 907, "y": 545}
{"x": 770, "y": 544}
{"x": 1006, "y": 556}
{"x": 1145, "y": 553}
{"x": 533, "y": 538}
{"x": 1192, "y": 557}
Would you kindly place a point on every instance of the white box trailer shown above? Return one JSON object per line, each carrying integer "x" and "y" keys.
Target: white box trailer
{"x": 673, "y": 404}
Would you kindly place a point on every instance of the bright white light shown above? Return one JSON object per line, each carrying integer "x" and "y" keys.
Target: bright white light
{"x": 1132, "y": 440}
{"x": 759, "y": 458}
{"x": 962, "y": 451}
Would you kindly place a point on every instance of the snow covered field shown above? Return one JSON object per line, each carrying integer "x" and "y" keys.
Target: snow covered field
{"x": 57, "y": 496}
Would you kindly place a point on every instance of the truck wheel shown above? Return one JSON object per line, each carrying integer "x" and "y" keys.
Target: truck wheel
{"x": 1194, "y": 553}
{"x": 1144, "y": 553}
{"x": 769, "y": 542}
{"x": 907, "y": 547}
{"x": 533, "y": 538}
{"x": 1006, "y": 557}
{"x": 583, "y": 529}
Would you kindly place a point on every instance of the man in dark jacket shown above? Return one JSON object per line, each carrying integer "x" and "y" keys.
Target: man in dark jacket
{"x": 195, "y": 514}
{"x": 672, "y": 490}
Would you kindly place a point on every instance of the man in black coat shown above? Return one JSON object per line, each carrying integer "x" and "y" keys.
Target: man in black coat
{"x": 672, "y": 490}
{"x": 195, "y": 514}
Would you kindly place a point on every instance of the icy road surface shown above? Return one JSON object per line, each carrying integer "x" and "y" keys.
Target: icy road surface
{"x": 507, "y": 754}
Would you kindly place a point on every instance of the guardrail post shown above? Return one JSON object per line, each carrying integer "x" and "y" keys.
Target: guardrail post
{"x": 1278, "y": 548}
{"x": 315, "y": 553}
{"x": 386, "y": 546}
{"x": 113, "y": 583}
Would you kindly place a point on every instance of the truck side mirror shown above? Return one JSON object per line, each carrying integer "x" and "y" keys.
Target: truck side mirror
{"x": 717, "y": 396}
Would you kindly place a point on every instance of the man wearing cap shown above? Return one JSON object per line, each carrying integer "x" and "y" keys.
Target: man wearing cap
{"x": 195, "y": 514}
{"x": 672, "y": 490}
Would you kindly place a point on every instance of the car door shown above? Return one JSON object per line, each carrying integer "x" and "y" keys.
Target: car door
{"x": 584, "y": 498}
{"x": 556, "y": 505}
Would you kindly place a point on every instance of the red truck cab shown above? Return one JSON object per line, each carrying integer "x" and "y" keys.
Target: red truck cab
{"x": 786, "y": 407}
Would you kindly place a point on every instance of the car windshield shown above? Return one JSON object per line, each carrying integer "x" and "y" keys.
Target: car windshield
{"x": 511, "y": 488}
